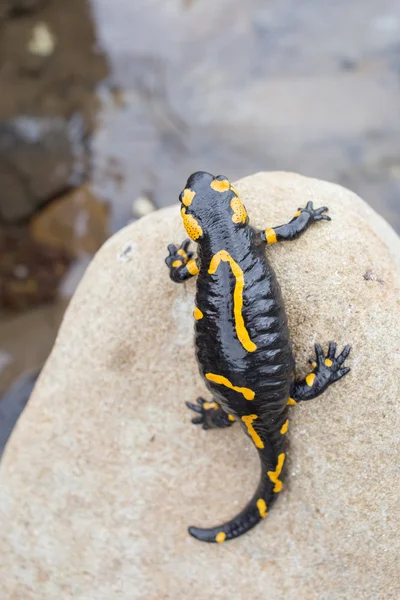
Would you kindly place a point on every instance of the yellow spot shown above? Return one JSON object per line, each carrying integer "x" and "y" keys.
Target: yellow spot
{"x": 231, "y": 418}
{"x": 297, "y": 214}
{"x": 197, "y": 314}
{"x": 208, "y": 405}
{"x": 220, "y": 537}
{"x": 192, "y": 227}
{"x": 239, "y": 211}
{"x": 181, "y": 253}
{"x": 177, "y": 263}
{"x": 310, "y": 379}
{"x": 284, "y": 427}
{"x": 274, "y": 475}
{"x": 220, "y": 186}
{"x": 270, "y": 236}
{"x": 262, "y": 508}
{"x": 192, "y": 267}
{"x": 248, "y": 421}
{"x": 241, "y": 330}
{"x": 247, "y": 392}
{"x": 187, "y": 197}
{"x": 314, "y": 365}
{"x": 234, "y": 190}
{"x": 328, "y": 362}
{"x": 291, "y": 402}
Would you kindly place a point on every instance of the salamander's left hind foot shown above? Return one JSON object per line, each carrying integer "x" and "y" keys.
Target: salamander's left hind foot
{"x": 210, "y": 414}
{"x": 326, "y": 371}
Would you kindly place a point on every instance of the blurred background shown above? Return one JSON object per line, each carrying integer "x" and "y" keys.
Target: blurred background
{"x": 107, "y": 106}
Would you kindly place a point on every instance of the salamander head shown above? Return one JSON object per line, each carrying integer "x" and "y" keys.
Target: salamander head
{"x": 207, "y": 201}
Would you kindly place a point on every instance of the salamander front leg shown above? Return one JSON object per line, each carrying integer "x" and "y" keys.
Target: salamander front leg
{"x": 297, "y": 226}
{"x": 180, "y": 262}
{"x": 326, "y": 370}
{"x": 210, "y": 414}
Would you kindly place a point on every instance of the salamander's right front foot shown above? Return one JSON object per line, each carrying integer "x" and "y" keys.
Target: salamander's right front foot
{"x": 180, "y": 262}
{"x": 178, "y": 256}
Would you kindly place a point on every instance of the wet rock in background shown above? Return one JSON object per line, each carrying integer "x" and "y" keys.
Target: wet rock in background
{"x": 76, "y": 223}
{"x": 21, "y": 6}
{"x": 50, "y": 67}
{"x": 40, "y": 157}
{"x": 30, "y": 272}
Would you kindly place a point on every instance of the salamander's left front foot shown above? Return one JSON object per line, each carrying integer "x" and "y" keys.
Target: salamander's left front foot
{"x": 326, "y": 370}
{"x": 210, "y": 415}
{"x": 300, "y": 222}
{"x": 314, "y": 214}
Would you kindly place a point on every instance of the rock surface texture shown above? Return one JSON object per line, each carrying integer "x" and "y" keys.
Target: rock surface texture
{"x": 104, "y": 471}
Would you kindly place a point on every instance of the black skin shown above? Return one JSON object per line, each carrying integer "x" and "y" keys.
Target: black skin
{"x": 263, "y": 363}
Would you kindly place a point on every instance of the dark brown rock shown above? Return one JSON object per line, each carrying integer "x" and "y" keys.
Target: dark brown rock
{"x": 39, "y": 159}
{"x": 30, "y": 272}
{"x": 21, "y": 6}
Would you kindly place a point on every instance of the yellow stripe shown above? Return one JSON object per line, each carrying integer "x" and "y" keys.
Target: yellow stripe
{"x": 247, "y": 392}
{"x": 241, "y": 330}
{"x": 197, "y": 314}
{"x": 192, "y": 227}
{"x": 262, "y": 508}
{"x": 208, "y": 405}
{"x": 239, "y": 211}
{"x": 310, "y": 379}
{"x": 291, "y": 402}
{"x": 177, "y": 263}
{"x": 187, "y": 197}
{"x": 220, "y": 186}
{"x": 270, "y": 236}
{"x": 192, "y": 267}
{"x": 220, "y": 537}
{"x": 284, "y": 427}
{"x": 231, "y": 418}
{"x": 328, "y": 362}
{"x": 274, "y": 475}
{"x": 248, "y": 421}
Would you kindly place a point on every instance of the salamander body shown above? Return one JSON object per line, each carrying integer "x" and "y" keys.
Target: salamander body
{"x": 242, "y": 337}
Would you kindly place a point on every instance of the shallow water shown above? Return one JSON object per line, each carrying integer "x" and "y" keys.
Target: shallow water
{"x": 234, "y": 88}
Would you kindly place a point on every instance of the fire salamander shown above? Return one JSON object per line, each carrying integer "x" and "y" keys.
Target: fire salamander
{"x": 241, "y": 333}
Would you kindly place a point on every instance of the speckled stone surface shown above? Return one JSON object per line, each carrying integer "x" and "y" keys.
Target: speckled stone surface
{"x": 104, "y": 471}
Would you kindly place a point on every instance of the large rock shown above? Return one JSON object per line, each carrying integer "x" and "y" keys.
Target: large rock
{"x": 105, "y": 471}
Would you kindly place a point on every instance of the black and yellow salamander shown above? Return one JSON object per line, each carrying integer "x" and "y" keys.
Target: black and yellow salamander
{"x": 241, "y": 333}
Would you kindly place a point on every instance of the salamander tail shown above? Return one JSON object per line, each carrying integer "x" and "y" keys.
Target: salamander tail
{"x": 255, "y": 511}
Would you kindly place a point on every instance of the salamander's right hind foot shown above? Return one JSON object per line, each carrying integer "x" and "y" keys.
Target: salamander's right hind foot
{"x": 210, "y": 414}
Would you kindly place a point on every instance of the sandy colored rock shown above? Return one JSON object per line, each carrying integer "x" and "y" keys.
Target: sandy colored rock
{"x": 104, "y": 471}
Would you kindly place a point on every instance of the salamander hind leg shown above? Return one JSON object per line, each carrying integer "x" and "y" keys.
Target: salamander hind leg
{"x": 210, "y": 415}
{"x": 326, "y": 371}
